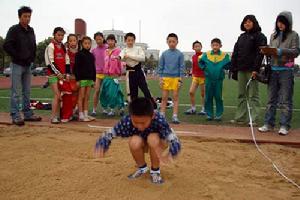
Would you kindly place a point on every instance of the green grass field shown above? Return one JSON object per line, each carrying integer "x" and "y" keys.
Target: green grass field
{"x": 229, "y": 96}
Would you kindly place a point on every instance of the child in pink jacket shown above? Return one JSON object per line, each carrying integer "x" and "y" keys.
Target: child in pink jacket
{"x": 111, "y": 95}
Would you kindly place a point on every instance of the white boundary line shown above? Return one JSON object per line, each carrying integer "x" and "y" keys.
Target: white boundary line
{"x": 182, "y": 105}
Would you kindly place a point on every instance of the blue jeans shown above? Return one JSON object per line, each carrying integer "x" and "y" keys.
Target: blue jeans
{"x": 20, "y": 85}
{"x": 280, "y": 94}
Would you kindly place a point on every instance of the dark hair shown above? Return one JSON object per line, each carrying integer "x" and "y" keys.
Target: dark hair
{"x": 129, "y": 35}
{"x": 71, "y": 35}
{"x": 98, "y": 34}
{"x": 141, "y": 106}
{"x": 172, "y": 35}
{"x": 252, "y": 18}
{"x": 85, "y": 38}
{"x": 111, "y": 37}
{"x": 197, "y": 42}
{"x": 24, "y": 9}
{"x": 57, "y": 29}
{"x": 287, "y": 24}
{"x": 216, "y": 40}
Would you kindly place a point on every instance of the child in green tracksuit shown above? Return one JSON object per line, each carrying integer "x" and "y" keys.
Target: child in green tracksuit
{"x": 213, "y": 63}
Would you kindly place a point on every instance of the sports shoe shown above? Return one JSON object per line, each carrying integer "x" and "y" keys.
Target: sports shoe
{"x": 175, "y": 120}
{"x": 18, "y": 121}
{"x": 111, "y": 113}
{"x": 55, "y": 120}
{"x": 139, "y": 172}
{"x": 254, "y": 124}
{"x": 233, "y": 121}
{"x": 156, "y": 178}
{"x": 190, "y": 111}
{"x": 283, "y": 130}
{"x": 218, "y": 118}
{"x": 33, "y": 118}
{"x": 91, "y": 118}
{"x": 93, "y": 113}
{"x": 265, "y": 128}
{"x": 209, "y": 118}
{"x": 84, "y": 119}
{"x": 64, "y": 120}
{"x": 104, "y": 112}
{"x": 202, "y": 112}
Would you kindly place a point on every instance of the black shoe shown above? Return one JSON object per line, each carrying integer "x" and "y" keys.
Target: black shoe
{"x": 33, "y": 118}
{"x": 18, "y": 122}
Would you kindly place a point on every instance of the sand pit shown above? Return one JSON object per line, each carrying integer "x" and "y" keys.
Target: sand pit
{"x": 58, "y": 163}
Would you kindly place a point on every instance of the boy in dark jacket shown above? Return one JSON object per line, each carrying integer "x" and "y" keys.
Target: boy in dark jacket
{"x": 246, "y": 61}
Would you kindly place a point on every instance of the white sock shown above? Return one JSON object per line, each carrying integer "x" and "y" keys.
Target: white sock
{"x": 174, "y": 115}
{"x": 203, "y": 108}
{"x": 94, "y": 110}
{"x": 154, "y": 172}
{"x": 86, "y": 113}
{"x": 81, "y": 115}
{"x": 193, "y": 107}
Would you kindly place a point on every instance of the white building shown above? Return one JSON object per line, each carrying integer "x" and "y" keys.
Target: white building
{"x": 121, "y": 43}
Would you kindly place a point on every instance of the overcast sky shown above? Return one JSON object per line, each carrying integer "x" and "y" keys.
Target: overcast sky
{"x": 190, "y": 19}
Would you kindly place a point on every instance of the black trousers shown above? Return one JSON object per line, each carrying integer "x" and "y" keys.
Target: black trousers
{"x": 136, "y": 79}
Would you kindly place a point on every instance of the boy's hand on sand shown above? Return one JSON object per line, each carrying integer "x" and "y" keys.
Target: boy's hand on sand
{"x": 99, "y": 152}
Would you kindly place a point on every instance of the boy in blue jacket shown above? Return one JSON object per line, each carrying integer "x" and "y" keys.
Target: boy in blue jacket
{"x": 170, "y": 70}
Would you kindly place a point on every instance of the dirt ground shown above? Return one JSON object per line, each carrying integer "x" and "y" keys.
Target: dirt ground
{"x": 58, "y": 163}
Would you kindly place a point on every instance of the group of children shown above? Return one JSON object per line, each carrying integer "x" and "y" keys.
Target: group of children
{"x": 74, "y": 69}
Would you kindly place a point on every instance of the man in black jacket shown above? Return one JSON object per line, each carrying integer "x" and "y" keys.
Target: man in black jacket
{"x": 21, "y": 46}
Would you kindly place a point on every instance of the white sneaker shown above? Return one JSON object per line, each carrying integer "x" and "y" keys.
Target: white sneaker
{"x": 283, "y": 130}
{"x": 265, "y": 128}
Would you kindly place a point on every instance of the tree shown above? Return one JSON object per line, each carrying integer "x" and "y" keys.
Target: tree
{"x": 188, "y": 66}
{"x": 150, "y": 63}
{"x": 40, "y": 51}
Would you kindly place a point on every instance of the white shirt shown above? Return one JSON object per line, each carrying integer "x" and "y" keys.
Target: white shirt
{"x": 135, "y": 55}
{"x": 49, "y": 58}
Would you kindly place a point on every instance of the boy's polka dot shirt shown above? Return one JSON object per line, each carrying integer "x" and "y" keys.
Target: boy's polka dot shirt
{"x": 158, "y": 125}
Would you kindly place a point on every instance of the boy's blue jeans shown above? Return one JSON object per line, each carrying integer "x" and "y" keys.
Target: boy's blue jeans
{"x": 280, "y": 94}
{"x": 20, "y": 86}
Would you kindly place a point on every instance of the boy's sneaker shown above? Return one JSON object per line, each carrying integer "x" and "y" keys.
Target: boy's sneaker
{"x": 209, "y": 118}
{"x": 111, "y": 113}
{"x": 64, "y": 120}
{"x": 104, "y": 112}
{"x": 254, "y": 124}
{"x": 18, "y": 121}
{"x": 139, "y": 172}
{"x": 91, "y": 118}
{"x": 55, "y": 120}
{"x": 93, "y": 113}
{"x": 175, "y": 120}
{"x": 265, "y": 128}
{"x": 202, "y": 112}
{"x": 218, "y": 118}
{"x": 283, "y": 130}
{"x": 84, "y": 119}
{"x": 190, "y": 111}
{"x": 156, "y": 178}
